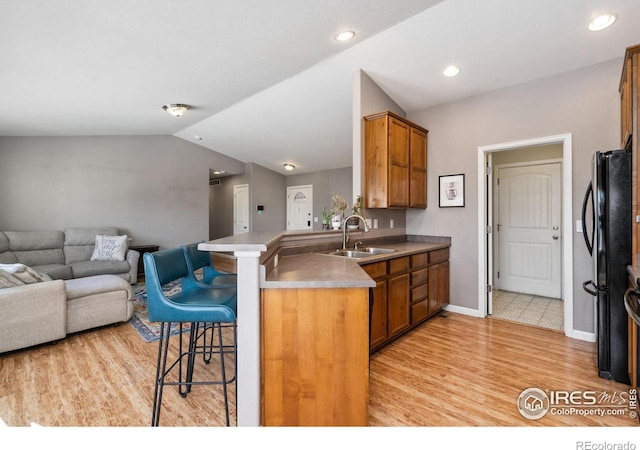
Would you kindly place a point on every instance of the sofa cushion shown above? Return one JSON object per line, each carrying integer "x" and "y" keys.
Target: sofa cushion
{"x": 36, "y": 248}
{"x": 55, "y": 271}
{"x": 25, "y": 273}
{"x": 110, "y": 248}
{"x": 90, "y": 268}
{"x": 79, "y": 242}
{"x": 6, "y": 256}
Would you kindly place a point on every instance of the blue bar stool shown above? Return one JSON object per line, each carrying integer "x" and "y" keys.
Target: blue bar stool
{"x": 211, "y": 277}
{"x": 193, "y": 306}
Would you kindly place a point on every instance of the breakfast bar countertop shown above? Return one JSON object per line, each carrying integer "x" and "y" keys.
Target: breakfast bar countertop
{"x": 318, "y": 270}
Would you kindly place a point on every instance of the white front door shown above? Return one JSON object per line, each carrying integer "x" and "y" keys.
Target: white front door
{"x": 529, "y": 230}
{"x": 240, "y": 208}
{"x": 299, "y": 207}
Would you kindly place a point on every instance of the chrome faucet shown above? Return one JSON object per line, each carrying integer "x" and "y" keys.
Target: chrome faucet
{"x": 345, "y": 234}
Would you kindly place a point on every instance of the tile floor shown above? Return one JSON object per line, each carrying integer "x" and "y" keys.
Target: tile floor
{"x": 526, "y": 308}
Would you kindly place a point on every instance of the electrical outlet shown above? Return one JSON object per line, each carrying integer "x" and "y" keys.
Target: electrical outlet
{"x": 578, "y": 226}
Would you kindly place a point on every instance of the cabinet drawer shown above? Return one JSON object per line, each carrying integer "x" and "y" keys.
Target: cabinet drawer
{"x": 419, "y": 260}
{"x": 419, "y": 293}
{"x": 438, "y": 256}
{"x": 398, "y": 265}
{"x": 376, "y": 270}
{"x": 419, "y": 311}
{"x": 419, "y": 276}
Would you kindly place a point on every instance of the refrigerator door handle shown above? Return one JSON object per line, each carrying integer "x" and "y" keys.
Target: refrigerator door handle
{"x": 585, "y": 235}
{"x": 632, "y": 305}
{"x": 585, "y": 286}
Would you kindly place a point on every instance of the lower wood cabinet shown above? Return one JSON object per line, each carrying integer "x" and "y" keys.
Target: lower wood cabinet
{"x": 409, "y": 290}
{"x": 315, "y": 357}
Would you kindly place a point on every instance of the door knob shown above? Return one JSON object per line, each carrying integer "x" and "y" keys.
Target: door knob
{"x": 555, "y": 237}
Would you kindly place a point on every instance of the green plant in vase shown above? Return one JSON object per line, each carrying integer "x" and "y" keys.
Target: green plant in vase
{"x": 357, "y": 206}
{"x": 326, "y": 218}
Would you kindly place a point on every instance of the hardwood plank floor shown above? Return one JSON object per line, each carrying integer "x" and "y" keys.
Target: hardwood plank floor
{"x": 451, "y": 371}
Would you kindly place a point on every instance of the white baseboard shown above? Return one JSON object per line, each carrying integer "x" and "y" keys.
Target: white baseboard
{"x": 582, "y": 335}
{"x": 463, "y": 310}
{"x": 575, "y": 334}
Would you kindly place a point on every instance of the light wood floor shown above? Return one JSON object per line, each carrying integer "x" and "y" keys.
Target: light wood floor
{"x": 453, "y": 371}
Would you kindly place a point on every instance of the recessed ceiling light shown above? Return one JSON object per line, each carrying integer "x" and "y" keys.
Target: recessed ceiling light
{"x": 219, "y": 172}
{"x": 451, "y": 71}
{"x": 289, "y": 167}
{"x": 345, "y": 36}
{"x": 601, "y": 22}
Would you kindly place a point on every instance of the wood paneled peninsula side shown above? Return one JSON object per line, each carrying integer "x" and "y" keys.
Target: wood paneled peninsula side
{"x": 303, "y": 320}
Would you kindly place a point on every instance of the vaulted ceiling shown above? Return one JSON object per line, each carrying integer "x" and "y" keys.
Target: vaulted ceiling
{"x": 267, "y": 81}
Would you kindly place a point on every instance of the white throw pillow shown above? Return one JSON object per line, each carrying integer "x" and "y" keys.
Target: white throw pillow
{"x": 110, "y": 248}
{"x": 24, "y": 273}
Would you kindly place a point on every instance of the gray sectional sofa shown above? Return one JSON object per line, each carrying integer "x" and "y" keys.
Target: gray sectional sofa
{"x": 77, "y": 294}
{"x": 65, "y": 254}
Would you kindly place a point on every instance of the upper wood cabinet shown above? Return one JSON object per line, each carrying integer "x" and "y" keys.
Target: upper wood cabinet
{"x": 629, "y": 129}
{"x": 395, "y": 172}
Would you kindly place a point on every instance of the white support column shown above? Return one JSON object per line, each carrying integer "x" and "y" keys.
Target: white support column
{"x": 248, "y": 363}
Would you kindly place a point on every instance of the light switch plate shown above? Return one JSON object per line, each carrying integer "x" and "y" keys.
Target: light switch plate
{"x": 578, "y": 226}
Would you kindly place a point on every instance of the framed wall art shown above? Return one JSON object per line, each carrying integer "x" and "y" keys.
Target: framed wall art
{"x": 451, "y": 191}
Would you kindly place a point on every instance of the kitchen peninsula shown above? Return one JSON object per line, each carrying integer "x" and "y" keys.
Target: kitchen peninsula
{"x": 303, "y": 319}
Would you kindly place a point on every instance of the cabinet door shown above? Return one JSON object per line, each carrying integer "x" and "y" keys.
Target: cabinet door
{"x": 378, "y": 330}
{"x": 397, "y": 304}
{"x": 418, "y": 169}
{"x": 443, "y": 284}
{"x": 438, "y": 286}
{"x": 398, "y": 186}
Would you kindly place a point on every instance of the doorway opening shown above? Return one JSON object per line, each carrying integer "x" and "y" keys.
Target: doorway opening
{"x": 525, "y": 242}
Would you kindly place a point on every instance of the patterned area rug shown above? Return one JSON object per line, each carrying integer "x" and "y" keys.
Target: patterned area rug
{"x": 150, "y": 331}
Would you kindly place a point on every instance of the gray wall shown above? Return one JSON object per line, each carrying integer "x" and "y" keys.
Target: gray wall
{"x": 154, "y": 188}
{"x": 267, "y": 188}
{"x": 370, "y": 100}
{"x": 584, "y": 102}
{"x": 325, "y": 183}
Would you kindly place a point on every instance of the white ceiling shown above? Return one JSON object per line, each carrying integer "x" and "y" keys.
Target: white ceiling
{"x": 267, "y": 81}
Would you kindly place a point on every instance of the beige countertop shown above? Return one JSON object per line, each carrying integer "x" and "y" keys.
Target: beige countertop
{"x": 314, "y": 270}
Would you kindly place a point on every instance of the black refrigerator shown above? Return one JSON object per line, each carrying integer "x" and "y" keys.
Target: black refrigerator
{"x": 607, "y": 208}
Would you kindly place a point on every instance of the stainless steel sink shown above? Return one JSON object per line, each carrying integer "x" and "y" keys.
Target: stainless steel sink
{"x": 377, "y": 250}
{"x": 360, "y": 253}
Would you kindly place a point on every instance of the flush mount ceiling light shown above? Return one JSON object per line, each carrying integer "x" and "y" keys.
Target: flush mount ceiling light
{"x": 219, "y": 172}
{"x": 345, "y": 35}
{"x": 601, "y": 22}
{"x": 289, "y": 167}
{"x": 451, "y": 71}
{"x": 176, "y": 109}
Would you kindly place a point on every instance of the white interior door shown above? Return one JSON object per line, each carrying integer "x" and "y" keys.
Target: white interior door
{"x": 529, "y": 229}
{"x": 299, "y": 207}
{"x": 240, "y": 208}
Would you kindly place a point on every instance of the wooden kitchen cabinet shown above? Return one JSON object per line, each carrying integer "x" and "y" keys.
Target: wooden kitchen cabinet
{"x": 629, "y": 128}
{"x": 395, "y": 173}
{"x": 315, "y": 357}
{"x": 408, "y": 291}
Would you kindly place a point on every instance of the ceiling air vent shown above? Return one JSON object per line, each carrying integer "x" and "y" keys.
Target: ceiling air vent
{"x": 215, "y": 182}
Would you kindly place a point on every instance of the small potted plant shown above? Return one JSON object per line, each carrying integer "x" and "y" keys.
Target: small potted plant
{"x": 326, "y": 218}
{"x": 357, "y": 206}
{"x": 338, "y": 207}
{"x": 357, "y": 209}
